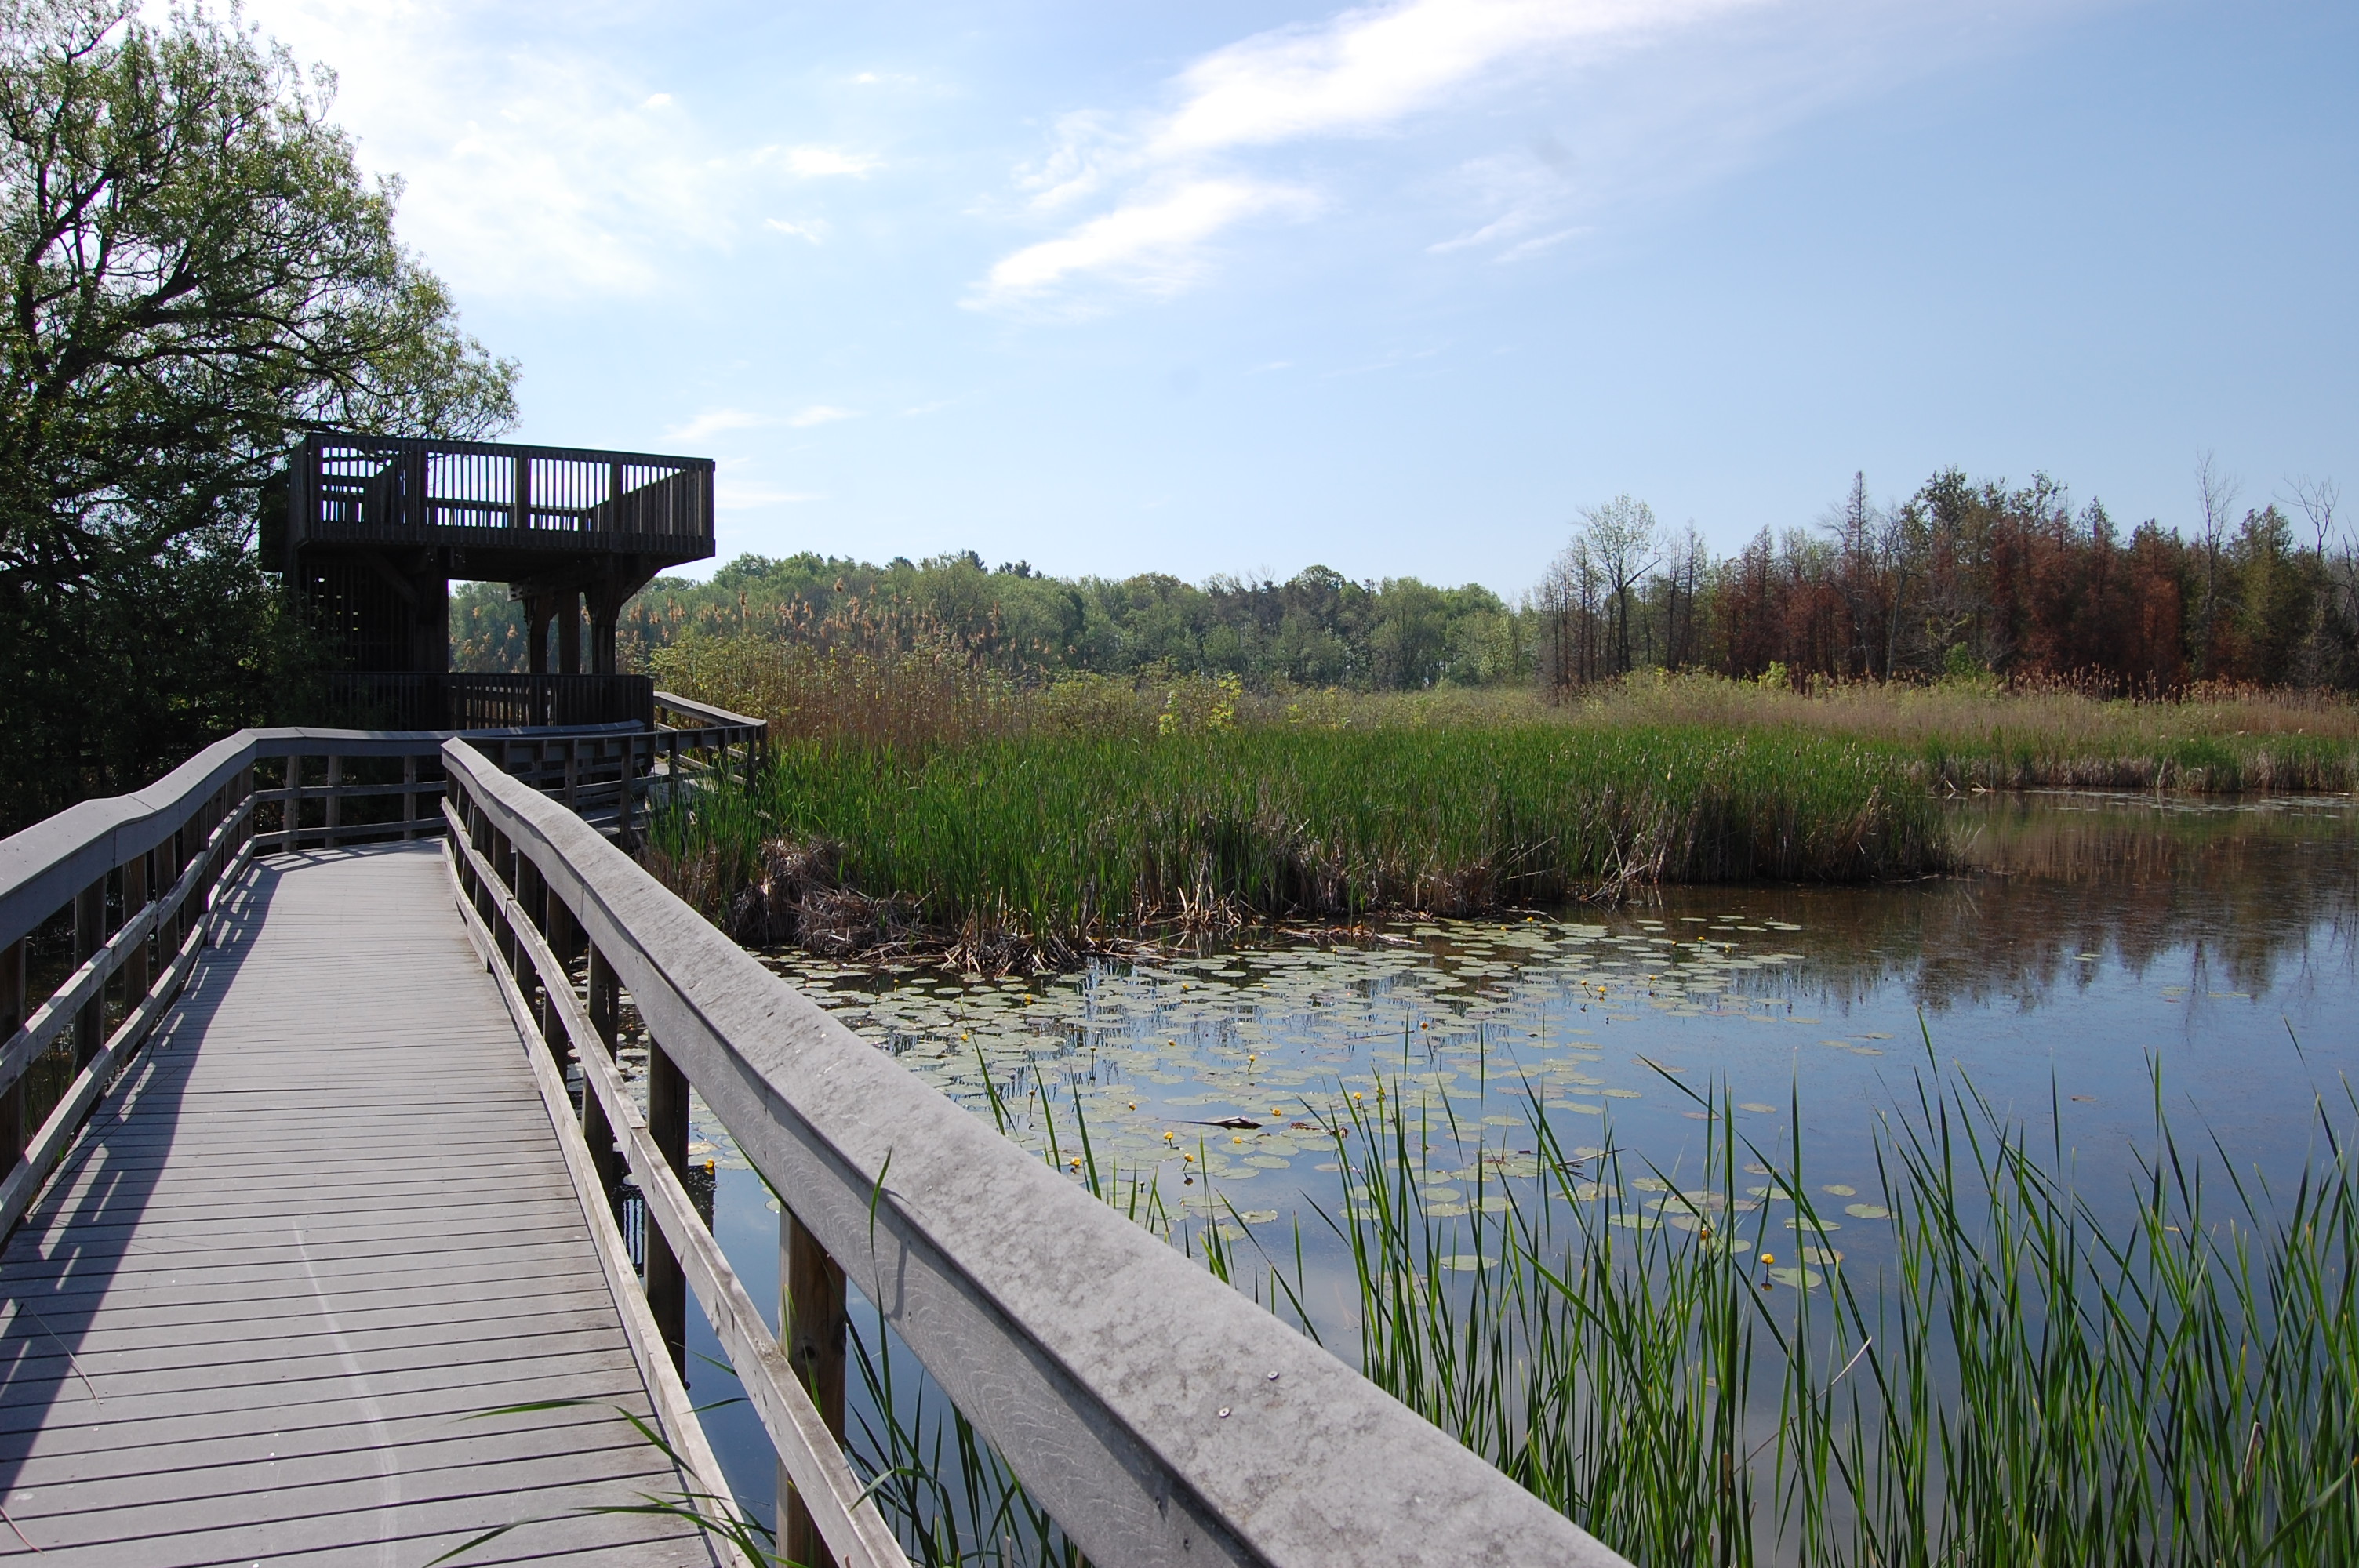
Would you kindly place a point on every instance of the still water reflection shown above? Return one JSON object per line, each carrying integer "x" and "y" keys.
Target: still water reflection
{"x": 2106, "y": 944}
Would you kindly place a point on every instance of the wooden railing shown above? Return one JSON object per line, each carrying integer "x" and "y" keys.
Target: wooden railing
{"x": 1155, "y": 1413}
{"x": 104, "y": 907}
{"x": 406, "y": 699}
{"x": 387, "y": 489}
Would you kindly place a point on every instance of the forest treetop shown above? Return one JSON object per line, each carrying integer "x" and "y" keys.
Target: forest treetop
{"x": 197, "y": 272}
{"x": 1963, "y": 577}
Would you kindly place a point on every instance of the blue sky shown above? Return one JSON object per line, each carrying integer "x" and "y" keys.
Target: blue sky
{"x": 1238, "y": 288}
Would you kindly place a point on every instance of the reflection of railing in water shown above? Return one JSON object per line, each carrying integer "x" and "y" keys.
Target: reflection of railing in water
{"x": 1154, "y": 1412}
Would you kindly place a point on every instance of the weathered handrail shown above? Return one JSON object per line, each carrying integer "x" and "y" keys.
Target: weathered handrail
{"x": 347, "y": 487}
{"x": 140, "y": 873}
{"x": 1157, "y": 1414}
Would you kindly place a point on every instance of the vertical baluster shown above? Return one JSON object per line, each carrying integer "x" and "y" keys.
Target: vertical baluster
{"x": 531, "y": 894}
{"x": 292, "y": 819}
{"x": 668, "y": 1125}
{"x": 497, "y": 854}
{"x": 605, "y": 1017}
{"x": 12, "y": 1018}
{"x": 88, "y": 937}
{"x": 333, "y": 804}
{"x": 811, "y": 1331}
{"x": 134, "y": 899}
{"x": 171, "y": 859}
{"x": 409, "y": 796}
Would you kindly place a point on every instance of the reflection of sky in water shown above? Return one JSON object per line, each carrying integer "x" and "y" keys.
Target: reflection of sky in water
{"x": 2112, "y": 934}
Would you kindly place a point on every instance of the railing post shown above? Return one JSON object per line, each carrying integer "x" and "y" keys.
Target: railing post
{"x": 625, "y": 797}
{"x": 530, "y": 896}
{"x": 605, "y": 1013}
{"x": 293, "y": 819}
{"x": 409, "y": 797}
{"x": 562, "y": 934}
{"x": 667, "y": 1126}
{"x": 811, "y": 1331}
{"x": 12, "y": 1016}
{"x": 334, "y": 804}
{"x": 134, "y": 899}
{"x": 88, "y": 937}
{"x": 171, "y": 859}
{"x": 504, "y": 865}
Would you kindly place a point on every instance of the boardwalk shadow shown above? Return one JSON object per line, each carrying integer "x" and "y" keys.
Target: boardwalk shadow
{"x": 77, "y": 1247}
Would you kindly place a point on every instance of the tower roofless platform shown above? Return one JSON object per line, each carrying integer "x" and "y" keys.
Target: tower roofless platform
{"x": 376, "y": 527}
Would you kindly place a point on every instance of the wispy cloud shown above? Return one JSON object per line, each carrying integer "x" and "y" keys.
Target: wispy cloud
{"x": 1153, "y": 244}
{"x": 817, "y": 414}
{"x": 1174, "y": 176}
{"x": 719, "y": 421}
{"x": 1369, "y": 69}
{"x": 819, "y": 163}
{"x": 547, "y": 171}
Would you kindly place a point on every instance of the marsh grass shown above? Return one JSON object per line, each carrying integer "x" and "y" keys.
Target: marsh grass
{"x": 2026, "y": 1377}
{"x": 1043, "y": 847}
{"x": 926, "y": 690}
{"x": 2156, "y": 1370}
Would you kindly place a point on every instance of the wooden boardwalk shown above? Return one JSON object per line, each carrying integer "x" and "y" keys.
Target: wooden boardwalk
{"x": 323, "y": 1224}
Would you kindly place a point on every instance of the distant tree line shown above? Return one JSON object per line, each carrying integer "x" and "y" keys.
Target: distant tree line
{"x": 1317, "y": 627}
{"x": 1966, "y": 579}
{"x": 1963, "y": 579}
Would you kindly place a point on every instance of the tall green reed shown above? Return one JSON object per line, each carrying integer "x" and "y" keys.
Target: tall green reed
{"x": 2023, "y": 1376}
{"x": 1062, "y": 839}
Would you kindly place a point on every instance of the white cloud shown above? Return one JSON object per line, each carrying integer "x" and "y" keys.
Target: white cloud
{"x": 1539, "y": 243}
{"x": 1153, "y": 244}
{"x": 818, "y": 163}
{"x": 814, "y": 230}
{"x": 1363, "y": 72}
{"x": 1367, "y": 68}
{"x": 718, "y": 421}
{"x": 538, "y": 169}
{"x": 817, "y": 414}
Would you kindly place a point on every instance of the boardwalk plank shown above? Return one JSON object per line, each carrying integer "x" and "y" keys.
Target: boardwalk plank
{"x": 321, "y": 1228}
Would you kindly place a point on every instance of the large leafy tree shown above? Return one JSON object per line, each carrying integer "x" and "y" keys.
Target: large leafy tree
{"x": 196, "y": 272}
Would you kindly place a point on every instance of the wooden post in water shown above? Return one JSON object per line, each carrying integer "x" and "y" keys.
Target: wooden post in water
{"x": 811, "y": 1331}
{"x": 12, "y": 1018}
{"x": 88, "y": 937}
{"x": 667, "y": 1126}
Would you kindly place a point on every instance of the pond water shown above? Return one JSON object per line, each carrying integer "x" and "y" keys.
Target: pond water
{"x": 2107, "y": 943}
